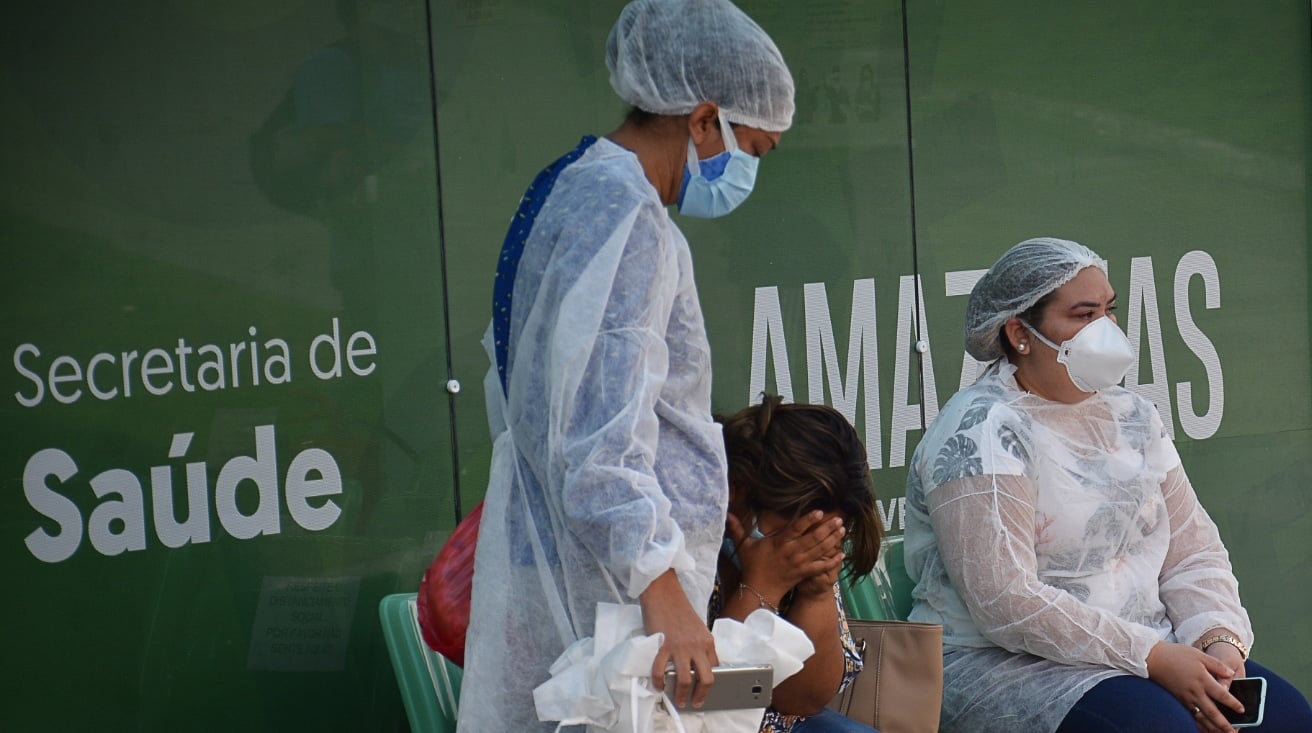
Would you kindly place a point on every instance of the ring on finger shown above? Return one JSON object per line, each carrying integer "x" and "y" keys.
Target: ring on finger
{"x": 1197, "y": 711}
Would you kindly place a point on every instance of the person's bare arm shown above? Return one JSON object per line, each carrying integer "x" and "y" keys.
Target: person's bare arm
{"x": 688, "y": 642}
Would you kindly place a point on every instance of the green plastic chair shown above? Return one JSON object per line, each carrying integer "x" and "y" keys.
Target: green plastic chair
{"x": 885, "y": 594}
{"x": 429, "y": 682}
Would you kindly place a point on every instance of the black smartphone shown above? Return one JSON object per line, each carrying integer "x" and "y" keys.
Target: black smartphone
{"x": 735, "y": 688}
{"x": 1251, "y": 691}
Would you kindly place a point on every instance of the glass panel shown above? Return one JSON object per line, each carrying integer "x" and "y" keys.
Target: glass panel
{"x": 224, "y": 315}
{"x": 518, "y": 85}
{"x": 1174, "y": 142}
{"x": 807, "y": 287}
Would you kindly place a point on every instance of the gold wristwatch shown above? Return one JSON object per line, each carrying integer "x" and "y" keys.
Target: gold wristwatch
{"x": 1226, "y": 638}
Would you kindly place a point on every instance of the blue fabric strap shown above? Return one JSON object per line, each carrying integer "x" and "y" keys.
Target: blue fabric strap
{"x": 513, "y": 248}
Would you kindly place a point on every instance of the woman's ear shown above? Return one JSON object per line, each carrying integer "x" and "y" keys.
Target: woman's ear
{"x": 1017, "y": 335}
{"x": 703, "y": 125}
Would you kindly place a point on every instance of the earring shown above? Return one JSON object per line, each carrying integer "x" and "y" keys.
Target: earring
{"x": 1021, "y": 347}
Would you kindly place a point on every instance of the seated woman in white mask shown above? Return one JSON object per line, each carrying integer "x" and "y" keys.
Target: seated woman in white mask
{"x": 1053, "y": 532}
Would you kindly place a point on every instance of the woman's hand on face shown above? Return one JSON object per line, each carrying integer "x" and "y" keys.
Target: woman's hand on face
{"x": 1197, "y": 680}
{"x": 810, "y": 547}
{"x": 821, "y": 585}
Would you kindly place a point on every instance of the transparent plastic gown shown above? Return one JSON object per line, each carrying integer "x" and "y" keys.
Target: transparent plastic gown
{"x": 1056, "y": 544}
{"x": 607, "y": 468}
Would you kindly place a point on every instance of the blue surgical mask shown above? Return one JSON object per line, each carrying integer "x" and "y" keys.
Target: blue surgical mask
{"x": 721, "y": 182}
{"x": 731, "y": 550}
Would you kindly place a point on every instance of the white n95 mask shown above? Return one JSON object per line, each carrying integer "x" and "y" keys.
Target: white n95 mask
{"x": 1097, "y": 357}
{"x": 717, "y": 185}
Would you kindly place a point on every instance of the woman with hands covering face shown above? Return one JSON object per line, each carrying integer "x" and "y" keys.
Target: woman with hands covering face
{"x": 801, "y": 511}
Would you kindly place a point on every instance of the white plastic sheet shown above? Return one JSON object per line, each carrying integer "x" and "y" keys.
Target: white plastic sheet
{"x": 604, "y": 681}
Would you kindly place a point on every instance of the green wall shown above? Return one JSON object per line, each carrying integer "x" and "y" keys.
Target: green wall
{"x": 191, "y": 194}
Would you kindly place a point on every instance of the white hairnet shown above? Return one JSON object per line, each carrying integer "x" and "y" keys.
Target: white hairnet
{"x": 1025, "y": 273}
{"x": 668, "y": 56}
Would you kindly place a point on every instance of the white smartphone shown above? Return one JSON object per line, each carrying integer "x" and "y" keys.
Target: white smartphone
{"x": 1251, "y": 691}
{"x": 735, "y": 688}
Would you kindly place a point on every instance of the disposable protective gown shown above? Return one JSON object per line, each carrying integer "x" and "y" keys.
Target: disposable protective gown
{"x": 1056, "y": 543}
{"x": 607, "y": 468}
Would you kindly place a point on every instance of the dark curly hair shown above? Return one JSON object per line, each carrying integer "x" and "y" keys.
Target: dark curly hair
{"x": 791, "y": 459}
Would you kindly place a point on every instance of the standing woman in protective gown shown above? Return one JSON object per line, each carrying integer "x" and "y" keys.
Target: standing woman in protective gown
{"x": 608, "y": 478}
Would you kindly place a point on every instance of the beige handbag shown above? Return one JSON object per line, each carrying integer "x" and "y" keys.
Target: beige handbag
{"x": 900, "y": 688}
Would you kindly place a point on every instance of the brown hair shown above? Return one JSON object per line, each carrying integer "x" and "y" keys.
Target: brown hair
{"x": 1033, "y": 316}
{"x": 791, "y": 459}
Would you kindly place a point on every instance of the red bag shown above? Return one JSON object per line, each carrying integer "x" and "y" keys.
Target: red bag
{"x": 444, "y": 592}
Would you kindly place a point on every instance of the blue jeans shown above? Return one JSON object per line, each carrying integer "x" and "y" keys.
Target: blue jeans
{"x": 829, "y": 721}
{"x": 1129, "y": 704}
